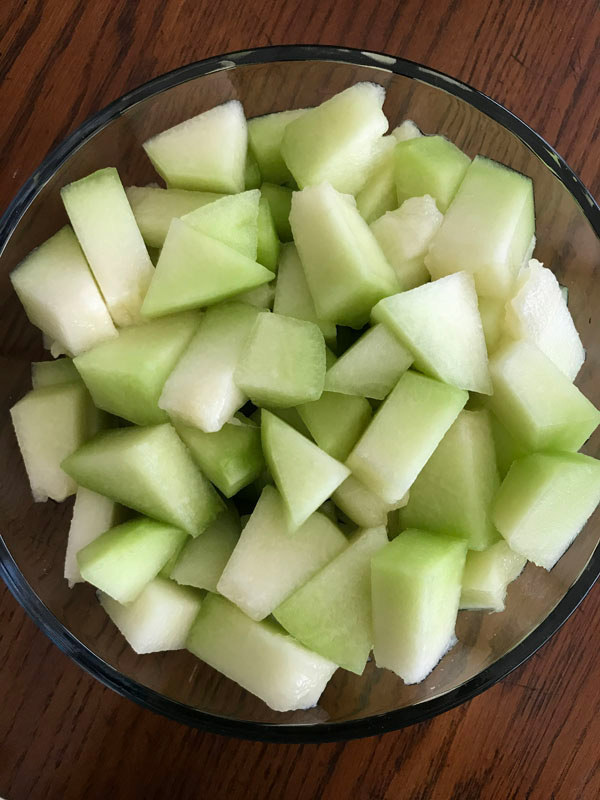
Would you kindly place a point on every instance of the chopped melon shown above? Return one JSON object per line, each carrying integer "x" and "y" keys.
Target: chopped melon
{"x": 292, "y": 295}
{"x": 149, "y": 470}
{"x": 416, "y": 584}
{"x": 160, "y": 617}
{"x": 331, "y": 613}
{"x": 230, "y": 458}
{"x": 361, "y": 505}
{"x": 280, "y": 203}
{"x": 252, "y": 176}
{"x": 289, "y": 415}
{"x": 93, "y": 514}
{"x": 201, "y": 391}
{"x": 406, "y": 130}
{"x": 508, "y": 449}
{"x": 206, "y": 152}
{"x": 60, "y": 296}
{"x": 270, "y": 561}
{"x": 371, "y": 367}
{"x": 125, "y": 376}
{"x": 154, "y": 207}
{"x": 50, "y": 423}
{"x": 405, "y": 431}
{"x": 195, "y": 270}
{"x": 487, "y": 230}
{"x": 111, "y": 240}
{"x": 304, "y": 474}
{"x": 232, "y": 220}
{"x": 345, "y": 268}
{"x": 262, "y": 297}
{"x": 544, "y": 501}
{"x": 404, "y": 236}
{"x": 265, "y": 135}
{"x": 283, "y": 363}
{"x": 429, "y": 165}
{"x": 336, "y": 421}
{"x": 268, "y": 243}
{"x": 492, "y": 311}
{"x": 378, "y": 194}
{"x": 336, "y": 141}
{"x": 487, "y": 575}
{"x": 126, "y": 558}
{"x": 538, "y": 312}
{"x": 51, "y": 373}
{"x": 454, "y": 491}
{"x": 440, "y": 324}
{"x": 259, "y": 656}
{"x": 536, "y": 402}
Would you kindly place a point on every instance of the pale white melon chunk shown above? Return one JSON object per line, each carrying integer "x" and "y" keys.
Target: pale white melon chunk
{"x": 92, "y": 515}
{"x": 487, "y": 575}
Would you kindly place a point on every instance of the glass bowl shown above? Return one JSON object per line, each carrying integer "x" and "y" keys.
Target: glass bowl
{"x": 33, "y": 540}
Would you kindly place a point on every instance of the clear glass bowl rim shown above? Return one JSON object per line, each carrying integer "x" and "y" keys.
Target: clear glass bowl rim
{"x": 321, "y": 732}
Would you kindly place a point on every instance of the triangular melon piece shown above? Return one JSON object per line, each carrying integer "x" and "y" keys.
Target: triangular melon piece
{"x": 440, "y": 324}
{"x": 232, "y": 220}
{"x": 195, "y": 270}
{"x": 304, "y": 474}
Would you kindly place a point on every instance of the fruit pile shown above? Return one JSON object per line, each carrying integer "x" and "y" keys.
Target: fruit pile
{"x": 340, "y": 331}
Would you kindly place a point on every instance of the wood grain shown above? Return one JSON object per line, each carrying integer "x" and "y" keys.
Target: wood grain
{"x": 62, "y": 735}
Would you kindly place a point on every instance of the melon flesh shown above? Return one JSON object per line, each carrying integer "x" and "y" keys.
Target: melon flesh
{"x": 262, "y": 297}
{"x": 508, "y": 449}
{"x": 361, "y": 505}
{"x": 265, "y": 135}
{"x": 268, "y": 244}
{"x": 544, "y": 501}
{"x": 252, "y": 176}
{"x": 416, "y": 585}
{"x": 492, "y": 312}
{"x": 336, "y": 421}
{"x": 232, "y": 219}
{"x": 487, "y": 575}
{"x": 270, "y": 561}
{"x": 93, "y": 514}
{"x": 378, "y": 194}
{"x": 429, "y": 165}
{"x": 51, "y": 373}
{"x": 280, "y": 203}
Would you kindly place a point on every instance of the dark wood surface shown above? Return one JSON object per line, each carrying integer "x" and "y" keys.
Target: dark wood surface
{"x": 62, "y": 735}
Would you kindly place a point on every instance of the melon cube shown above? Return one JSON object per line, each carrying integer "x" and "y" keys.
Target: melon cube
{"x": 361, "y": 505}
{"x": 160, "y": 617}
{"x": 51, "y": 373}
{"x": 487, "y": 575}
{"x": 252, "y": 176}
{"x": 440, "y": 324}
{"x": 378, "y": 194}
{"x": 60, "y": 296}
{"x": 206, "y": 152}
{"x": 93, "y": 514}
{"x": 492, "y": 312}
{"x": 283, "y": 363}
{"x": 416, "y": 585}
{"x": 265, "y": 135}
{"x": 259, "y": 656}
{"x": 268, "y": 243}
{"x": 336, "y": 421}
{"x": 406, "y": 130}
{"x": 126, "y": 375}
{"x": 508, "y": 449}
{"x": 111, "y": 240}
{"x": 336, "y": 141}
{"x": 270, "y": 562}
{"x": 331, "y": 613}
{"x": 232, "y": 219}
{"x": 429, "y": 165}
{"x": 453, "y": 493}
{"x": 280, "y": 203}
{"x": 405, "y": 431}
{"x": 149, "y": 470}
{"x": 544, "y": 501}
{"x": 536, "y": 402}
{"x": 262, "y": 297}
{"x": 345, "y": 269}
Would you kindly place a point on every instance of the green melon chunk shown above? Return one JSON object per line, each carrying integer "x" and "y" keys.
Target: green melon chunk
{"x": 149, "y": 470}
{"x": 361, "y": 505}
{"x": 262, "y": 297}
{"x": 252, "y": 176}
{"x": 487, "y": 230}
{"x": 508, "y": 449}
{"x": 159, "y": 619}
{"x": 487, "y": 575}
{"x": 280, "y": 203}
{"x": 404, "y": 236}
{"x": 378, "y": 194}
{"x": 371, "y": 367}
{"x": 453, "y": 493}
{"x": 126, "y": 375}
{"x": 206, "y": 152}
{"x": 201, "y": 391}
{"x": 336, "y": 421}
{"x": 51, "y": 373}
{"x": 202, "y": 560}
{"x": 440, "y": 324}
{"x": 195, "y": 270}
{"x": 50, "y": 423}
{"x": 154, "y": 207}
{"x": 283, "y": 363}
{"x": 60, "y": 296}
{"x": 335, "y": 142}
{"x": 405, "y": 431}
{"x": 304, "y": 474}
{"x": 268, "y": 243}
{"x": 124, "y": 559}
{"x": 232, "y": 220}
{"x": 93, "y": 514}
{"x": 259, "y": 656}
{"x": 331, "y": 614}
{"x": 345, "y": 268}
{"x": 492, "y": 311}
{"x": 292, "y": 295}
{"x": 536, "y": 402}
{"x": 291, "y": 416}
{"x": 265, "y": 135}
{"x": 111, "y": 240}
{"x": 416, "y": 584}
{"x": 429, "y": 165}
{"x": 544, "y": 501}
{"x": 270, "y": 562}
{"x": 230, "y": 458}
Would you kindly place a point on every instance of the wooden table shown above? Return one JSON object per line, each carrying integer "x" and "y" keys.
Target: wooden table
{"x": 62, "y": 735}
